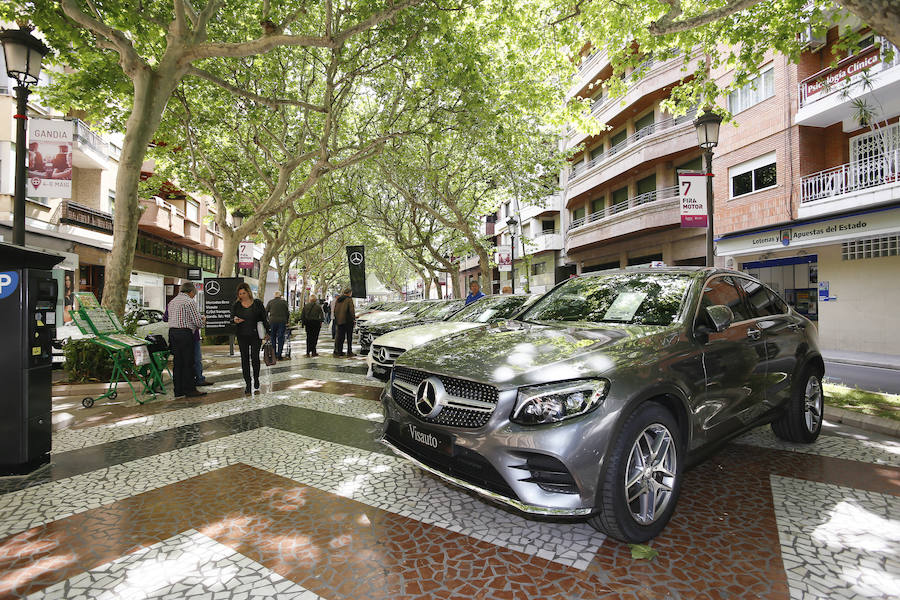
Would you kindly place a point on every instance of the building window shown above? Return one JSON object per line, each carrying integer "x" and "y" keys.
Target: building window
{"x": 871, "y": 248}
{"x": 578, "y": 213}
{"x": 753, "y": 92}
{"x": 111, "y": 198}
{"x": 548, "y": 226}
{"x": 616, "y": 140}
{"x": 642, "y": 124}
{"x": 597, "y": 152}
{"x": 620, "y": 195}
{"x": 646, "y": 185}
{"x": 753, "y": 175}
{"x": 597, "y": 205}
{"x": 539, "y": 268}
{"x": 192, "y": 211}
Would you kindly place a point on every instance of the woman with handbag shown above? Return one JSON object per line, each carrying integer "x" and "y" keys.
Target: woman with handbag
{"x": 252, "y": 327}
{"x": 312, "y": 316}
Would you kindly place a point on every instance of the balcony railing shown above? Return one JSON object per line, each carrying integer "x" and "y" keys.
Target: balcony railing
{"x": 666, "y": 193}
{"x": 851, "y": 177}
{"x": 581, "y": 167}
{"x": 590, "y": 61}
{"x": 833, "y": 80}
{"x": 72, "y": 213}
{"x": 87, "y": 136}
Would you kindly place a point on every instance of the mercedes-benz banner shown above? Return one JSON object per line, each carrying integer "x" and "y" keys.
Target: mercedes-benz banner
{"x": 219, "y": 295}
{"x": 356, "y": 258}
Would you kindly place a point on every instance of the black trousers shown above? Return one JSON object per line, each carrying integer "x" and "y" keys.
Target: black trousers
{"x": 181, "y": 344}
{"x": 249, "y": 346}
{"x": 344, "y": 331}
{"x": 312, "y": 335}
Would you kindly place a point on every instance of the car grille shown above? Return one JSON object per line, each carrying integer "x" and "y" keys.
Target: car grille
{"x": 451, "y": 415}
{"x": 393, "y": 353}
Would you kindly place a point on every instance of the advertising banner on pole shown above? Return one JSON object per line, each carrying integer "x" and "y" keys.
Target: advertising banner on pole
{"x": 356, "y": 258}
{"x": 503, "y": 257}
{"x": 245, "y": 255}
{"x": 693, "y": 199}
{"x": 50, "y": 158}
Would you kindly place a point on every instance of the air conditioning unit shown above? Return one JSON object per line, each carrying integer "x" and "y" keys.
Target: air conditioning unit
{"x": 811, "y": 40}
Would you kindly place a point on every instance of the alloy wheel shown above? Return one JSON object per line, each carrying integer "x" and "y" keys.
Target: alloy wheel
{"x": 650, "y": 474}
{"x": 813, "y": 403}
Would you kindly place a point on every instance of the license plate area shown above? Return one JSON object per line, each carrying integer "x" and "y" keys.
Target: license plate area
{"x": 425, "y": 439}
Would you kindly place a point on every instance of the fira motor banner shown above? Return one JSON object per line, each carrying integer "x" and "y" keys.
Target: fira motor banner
{"x": 356, "y": 260}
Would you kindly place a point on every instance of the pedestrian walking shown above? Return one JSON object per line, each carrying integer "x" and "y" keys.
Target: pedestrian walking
{"x": 475, "y": 292}
{"x": 252, "y": 327}
{"x": 279, "y": 314}
{"x": 312, "y": 316}
{"x": 184, "y": 320}
{"x": 345, "y": 318}
{"x": 326, "y": 308}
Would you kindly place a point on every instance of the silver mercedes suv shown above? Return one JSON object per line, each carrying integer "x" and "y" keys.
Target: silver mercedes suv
{"x": 594, "y": 400}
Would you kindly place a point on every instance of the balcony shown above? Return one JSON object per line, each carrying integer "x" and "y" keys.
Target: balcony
{"x": 72, "y": 213}
{"x": 588, "y": 70}
{"x": 487, "y": 228}
{"x": 860, "y": 184}
{"x": 550, "y": 240}
{"x": 828, "y": 97}
{"x": 550, "y": 204}
{"x": 652, "y": 210}
{"x": 652, "y": 142}
{"x": 192, "y": 233}
{"x": 89, "y": 150}
{"x": 468, "y": 262}
{"x": 163, "y": 219}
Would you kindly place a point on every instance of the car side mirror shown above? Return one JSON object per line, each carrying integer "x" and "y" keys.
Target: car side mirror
{"x": 142, "y": 322}
{"x": 720, "y": 317}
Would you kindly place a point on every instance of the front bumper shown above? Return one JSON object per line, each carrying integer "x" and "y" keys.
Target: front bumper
{"x": 494, "y": 461}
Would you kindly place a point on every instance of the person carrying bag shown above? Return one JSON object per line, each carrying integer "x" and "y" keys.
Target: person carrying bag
{"x": 252, "y": 327}
{"x": 312, "y": 316}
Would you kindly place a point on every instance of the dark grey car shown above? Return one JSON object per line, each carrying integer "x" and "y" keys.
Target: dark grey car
{"x": 595, "y": 399}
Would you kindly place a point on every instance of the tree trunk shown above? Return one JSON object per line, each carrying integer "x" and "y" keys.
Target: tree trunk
{"x": 151, "y": 91}
{"x": 229, "y": 253}
{"x": 484, "y": 263}
{"x": 437, "y": 283}
{"x": 457, "y": 286}
{"x": 881, "y": 15}
{"x": 264, "y": 263}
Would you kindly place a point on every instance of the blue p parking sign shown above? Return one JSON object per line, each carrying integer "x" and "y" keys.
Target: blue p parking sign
{"x": 9, "y": 282}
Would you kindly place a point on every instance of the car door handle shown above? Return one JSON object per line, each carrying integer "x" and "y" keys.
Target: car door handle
{"x": 795, "y": 327}
{"x": 754, "y": 334}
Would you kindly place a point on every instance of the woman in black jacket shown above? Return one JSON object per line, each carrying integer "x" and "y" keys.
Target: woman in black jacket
{"x": 247, "y": 313}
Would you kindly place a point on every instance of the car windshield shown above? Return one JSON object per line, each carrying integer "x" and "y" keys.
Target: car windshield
{"x": 417, "y": 308}
{"x": 492, "y": 308}
{"x": 442, "y": 310}
{"x": 640, "y": 298}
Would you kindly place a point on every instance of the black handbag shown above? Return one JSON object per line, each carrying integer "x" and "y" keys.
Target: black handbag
{"x": 269, "y": 354}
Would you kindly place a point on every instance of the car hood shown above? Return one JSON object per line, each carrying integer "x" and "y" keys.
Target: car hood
{"x": 377, "y": 317}
{"x": 512, "y": 353}
{"x": 411, "y": 337}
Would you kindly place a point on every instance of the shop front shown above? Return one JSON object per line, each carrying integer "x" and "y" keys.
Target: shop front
{"x": 843, "y": 272}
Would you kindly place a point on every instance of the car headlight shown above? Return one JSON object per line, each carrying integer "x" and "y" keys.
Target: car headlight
{"x": 551, "y": 403}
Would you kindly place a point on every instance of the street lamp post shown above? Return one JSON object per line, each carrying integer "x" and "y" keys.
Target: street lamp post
{"x": 707, "y": 126}
{"x": 23, "y": 53}
{"x": 512, "y": 222}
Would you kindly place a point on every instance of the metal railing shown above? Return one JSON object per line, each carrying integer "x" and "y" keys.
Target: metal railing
{"x": 581, "y": 167}
{"x": 87, "y": 136}
{"x": 72, "y": 213}
{"x": 666, "y": 193}
{"x": 851, "y": 177}
{"x": 601, "y": 100}
{"x": 838, "y": 78}
{"x": 590, "y": 61}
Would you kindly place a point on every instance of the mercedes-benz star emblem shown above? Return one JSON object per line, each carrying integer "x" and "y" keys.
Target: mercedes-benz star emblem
{"x": 212, "y": 288}
{"x": 383, "y": 355}
{"x": 430, "y": 397}
{"x": 356, "y": 258}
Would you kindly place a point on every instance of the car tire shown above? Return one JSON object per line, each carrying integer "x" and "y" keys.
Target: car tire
{"x": 633, "y": 522}
{"x": 801, "y": 421}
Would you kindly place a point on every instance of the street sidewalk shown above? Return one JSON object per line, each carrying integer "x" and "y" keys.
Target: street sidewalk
{"x": 864, "y": 359}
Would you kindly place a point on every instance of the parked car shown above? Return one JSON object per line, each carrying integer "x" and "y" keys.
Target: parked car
{"x": 386, "y": 348}
{"x": 388, "y": 312}
{"x": 437, "y": 310}
{"x": 594, "y": 400}
{"x": 410, "y": 309}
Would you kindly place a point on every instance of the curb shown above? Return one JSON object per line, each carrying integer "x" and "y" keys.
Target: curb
{"x": 862, "y": 363}
{"x": 861, "y": 421}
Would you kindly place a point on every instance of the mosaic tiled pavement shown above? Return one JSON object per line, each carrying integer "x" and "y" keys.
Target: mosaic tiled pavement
{"x": 286, "y": 493}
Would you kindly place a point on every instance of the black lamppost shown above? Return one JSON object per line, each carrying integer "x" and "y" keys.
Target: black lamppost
{"x": 707, "y": 126}
{"x": 511, "y": 223}
{"x": 23, "y": 53}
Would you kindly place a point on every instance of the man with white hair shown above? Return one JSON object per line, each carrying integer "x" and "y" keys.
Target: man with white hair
{"x": 184, "y": 320}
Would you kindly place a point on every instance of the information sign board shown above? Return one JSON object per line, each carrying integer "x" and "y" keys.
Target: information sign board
{"x": 693, "y": 199}
{"x": 219, "y": 295}
{"x": 99, "y": 318}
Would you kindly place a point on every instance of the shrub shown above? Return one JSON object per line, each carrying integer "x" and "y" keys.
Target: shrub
{"x": 86, "y": 361}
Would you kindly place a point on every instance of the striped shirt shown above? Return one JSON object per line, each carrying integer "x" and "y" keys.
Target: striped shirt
{"x": 183, "y": 313}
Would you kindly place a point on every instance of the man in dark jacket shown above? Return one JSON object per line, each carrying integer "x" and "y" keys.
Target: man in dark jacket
{"x": 345, "y": 317}
{"x": 312, "y": 317}
{"x": 279, "y": 313}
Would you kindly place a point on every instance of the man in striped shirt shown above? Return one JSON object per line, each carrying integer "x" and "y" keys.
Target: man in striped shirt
{"x": 184, "y": 320}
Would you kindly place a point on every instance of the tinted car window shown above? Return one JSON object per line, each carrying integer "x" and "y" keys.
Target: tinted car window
{"x": 491, "y": 309}
{"x": 761, "y": 299}
{"x": 643, "y": 298}
{"x": 721, "y": 290}
{"x": 442, "y": 310}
